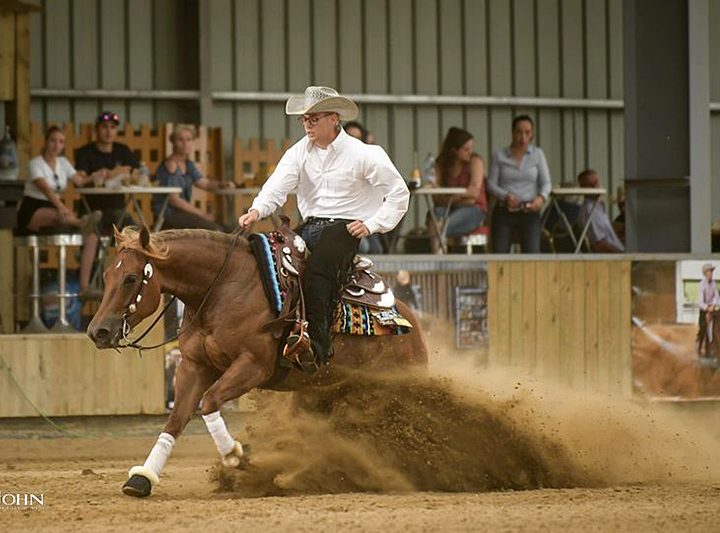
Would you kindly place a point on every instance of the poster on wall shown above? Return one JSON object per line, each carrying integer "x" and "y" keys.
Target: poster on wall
{"x": 470, "y": 317}
{"x": 676, "y": 330}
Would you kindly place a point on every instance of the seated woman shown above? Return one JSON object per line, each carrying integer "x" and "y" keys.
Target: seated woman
{"x": 41, "y": 206}
{"x": 458, "y": 166}
{"x": 179, "y": 171}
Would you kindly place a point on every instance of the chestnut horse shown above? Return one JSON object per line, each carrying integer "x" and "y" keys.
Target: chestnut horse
{"x": 226, "y": 352}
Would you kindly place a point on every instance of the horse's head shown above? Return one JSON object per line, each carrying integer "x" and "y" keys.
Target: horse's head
{"x": 132, "y": 289}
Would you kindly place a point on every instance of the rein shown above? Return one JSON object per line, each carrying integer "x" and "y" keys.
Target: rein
{"x": 126, "y": 326}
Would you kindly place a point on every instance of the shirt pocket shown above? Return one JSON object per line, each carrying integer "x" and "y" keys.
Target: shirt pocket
{"x": 344, "y": 181}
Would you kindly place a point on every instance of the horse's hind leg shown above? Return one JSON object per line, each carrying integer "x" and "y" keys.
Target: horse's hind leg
{"x": 243, "y": 375}
{"x": 191, "y": 381}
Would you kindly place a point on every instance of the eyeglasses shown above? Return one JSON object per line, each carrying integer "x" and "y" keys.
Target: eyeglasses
{"x": 57, "y": 182}
{"x": 312, "y": 119}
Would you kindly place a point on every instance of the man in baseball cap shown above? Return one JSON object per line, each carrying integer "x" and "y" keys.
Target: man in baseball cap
{"x": 103, "y": 159}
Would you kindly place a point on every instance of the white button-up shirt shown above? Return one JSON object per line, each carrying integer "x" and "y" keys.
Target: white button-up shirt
{"x": 353, "y": 180}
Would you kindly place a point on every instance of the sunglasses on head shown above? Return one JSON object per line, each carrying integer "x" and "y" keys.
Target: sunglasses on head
{"x": 108, "y": 117}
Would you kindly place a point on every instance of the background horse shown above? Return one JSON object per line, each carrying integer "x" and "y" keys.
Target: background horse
{"x": 712, "y": 347}
{"x": 225, "y": 351}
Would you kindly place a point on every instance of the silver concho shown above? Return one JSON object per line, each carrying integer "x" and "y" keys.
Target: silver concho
{"x": 132, "y": 308}
{"x": 299, "y": 243}
{"x": 148, "y": 271}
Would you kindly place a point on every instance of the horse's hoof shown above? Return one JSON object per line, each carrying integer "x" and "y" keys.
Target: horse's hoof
{"x": 238, "y": 457}
{"x": 138, "y": 486}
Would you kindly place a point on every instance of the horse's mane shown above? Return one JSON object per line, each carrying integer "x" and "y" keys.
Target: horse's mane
{"x": 158, "y": 249}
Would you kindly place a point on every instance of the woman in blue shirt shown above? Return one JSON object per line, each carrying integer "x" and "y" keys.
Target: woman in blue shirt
{"x": 520, "y": 182}
{"x": 179, "y": 171}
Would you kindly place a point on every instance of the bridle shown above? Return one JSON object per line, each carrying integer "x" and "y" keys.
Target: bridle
{"x": 148, "y": 272}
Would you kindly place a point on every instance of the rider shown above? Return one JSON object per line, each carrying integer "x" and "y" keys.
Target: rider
{"x": 346, "y": 190}
{"x": 708, "y": 300}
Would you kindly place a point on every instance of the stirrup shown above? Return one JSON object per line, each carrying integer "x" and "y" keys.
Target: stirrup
{"x": 299, "y": 351}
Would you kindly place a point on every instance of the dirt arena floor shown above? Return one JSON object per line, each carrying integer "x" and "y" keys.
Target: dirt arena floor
{"x": 460, "y": 452}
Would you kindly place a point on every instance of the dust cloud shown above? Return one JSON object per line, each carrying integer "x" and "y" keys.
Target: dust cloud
{"x": 463, "y": 428}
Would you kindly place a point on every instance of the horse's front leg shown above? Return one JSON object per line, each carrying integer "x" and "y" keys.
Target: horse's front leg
{"x": 191, "y": 381}
{"x": 244, "y": 374}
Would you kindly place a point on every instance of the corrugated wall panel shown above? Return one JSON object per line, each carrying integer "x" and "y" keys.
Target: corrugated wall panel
{"x": 714, "y": 23}
{"x": 118, "y": 44}
{"x": 534, "y": 48}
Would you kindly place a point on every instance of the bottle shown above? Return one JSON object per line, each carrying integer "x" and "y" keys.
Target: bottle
{"x": 428, "y": 171}
{"x": 143, "y": 175}
{"x": 415, "y": 177}
{"x": 8, "y": 157}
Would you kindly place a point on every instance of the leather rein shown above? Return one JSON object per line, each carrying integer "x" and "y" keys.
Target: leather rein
{"x": 148, "y": 272}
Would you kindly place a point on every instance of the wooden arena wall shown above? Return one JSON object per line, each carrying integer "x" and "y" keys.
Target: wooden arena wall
{"x": 563, "y": 320}
{"x": 65, "y": 375}
{"x": 568, "y": 321}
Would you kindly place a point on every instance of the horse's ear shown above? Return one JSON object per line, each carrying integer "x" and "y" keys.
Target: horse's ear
{"x": 144, "y": 237}
{"x": 116, "y": 232}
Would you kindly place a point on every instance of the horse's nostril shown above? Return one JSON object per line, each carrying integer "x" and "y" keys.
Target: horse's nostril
{"x": 101, "y": 334}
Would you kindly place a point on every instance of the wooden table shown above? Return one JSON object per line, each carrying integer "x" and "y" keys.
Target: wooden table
{"x": 132, "y": 193}
{"x": 427, "y": 193}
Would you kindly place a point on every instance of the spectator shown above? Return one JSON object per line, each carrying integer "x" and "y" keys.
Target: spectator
{"x": 101, "y": 161}
{"x": 708, "y": 301}
{"x": 41, "y": 206}
{"x": 619, "y": 222}
{"x": 404, "y": 291}
{"x": 458, "y": 166}
{"x": 520, "y": 181}
{"x": 179, "y": 171}
{"x": 600, "y": 233}
{"x": 355, "y": 129}
{"x": 372, "y": 244}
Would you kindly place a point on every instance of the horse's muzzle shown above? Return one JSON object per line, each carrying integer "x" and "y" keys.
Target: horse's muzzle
{"x": 106, "y": 334}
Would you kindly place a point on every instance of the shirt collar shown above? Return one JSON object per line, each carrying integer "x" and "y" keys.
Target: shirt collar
{"x": 333, "y": 146}
{"x": 530, "y": 150}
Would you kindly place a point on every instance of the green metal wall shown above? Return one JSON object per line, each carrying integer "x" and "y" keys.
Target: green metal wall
{"x": 505, "y": 48}
{"x": 543, "y": 48}
{"x": 114, "y": 44}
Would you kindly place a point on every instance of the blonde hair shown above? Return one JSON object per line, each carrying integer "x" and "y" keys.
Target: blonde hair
{"x": 180, "y": 128}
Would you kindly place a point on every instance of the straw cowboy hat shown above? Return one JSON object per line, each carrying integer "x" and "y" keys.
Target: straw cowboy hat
{"x": 706, "y": 267}
{"x": 321, "y": 100}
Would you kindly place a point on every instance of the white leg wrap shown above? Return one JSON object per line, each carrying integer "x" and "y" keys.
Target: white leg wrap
{"x": 218, "y": 431}
{"x": 155, "y": 462}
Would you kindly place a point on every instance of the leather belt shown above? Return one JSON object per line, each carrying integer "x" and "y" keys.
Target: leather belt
{"x": 318, "y": 221}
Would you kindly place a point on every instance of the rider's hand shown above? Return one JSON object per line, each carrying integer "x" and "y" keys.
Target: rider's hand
{"x": 249, "y": 218}
{"x": 358, "y": 229}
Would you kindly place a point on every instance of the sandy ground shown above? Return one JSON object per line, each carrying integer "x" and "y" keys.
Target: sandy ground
{"x": 81, "y": 479}
{"x": 441, "y": 460}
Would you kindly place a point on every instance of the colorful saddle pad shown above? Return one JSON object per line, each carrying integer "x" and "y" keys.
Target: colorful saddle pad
{"x": 367, "y": 305}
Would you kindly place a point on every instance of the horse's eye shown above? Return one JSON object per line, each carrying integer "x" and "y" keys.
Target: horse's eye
{"x": 130, "y": 280}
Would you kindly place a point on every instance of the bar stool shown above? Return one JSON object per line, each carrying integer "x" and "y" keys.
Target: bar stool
{"x": 61, "y": 241}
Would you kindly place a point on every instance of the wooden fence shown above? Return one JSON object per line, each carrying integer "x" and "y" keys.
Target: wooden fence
{"x": 65, "y": 375}
{"x": 563, "y": 320}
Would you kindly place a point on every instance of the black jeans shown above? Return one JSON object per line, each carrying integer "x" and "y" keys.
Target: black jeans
{"x": 503, "y": 224}
{"x": 333, "y": 250}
